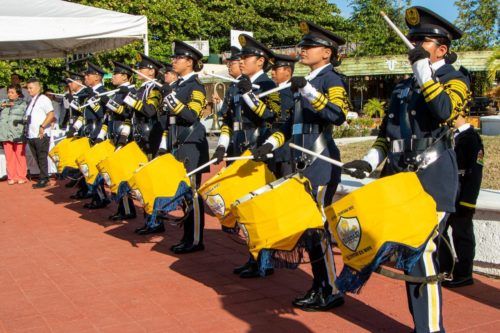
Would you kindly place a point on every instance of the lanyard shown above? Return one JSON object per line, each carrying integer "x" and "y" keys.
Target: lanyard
{"x": 29, "y": 111}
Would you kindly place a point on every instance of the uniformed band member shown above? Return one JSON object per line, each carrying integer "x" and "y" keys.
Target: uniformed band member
{"x": 415, "y": 128}
{"x": 247, "y": 122}
{"x": 120, "y": 126}
{"x": 470, "y": 153}
{"x": 248, "y": 119}
{"x": 94, "y": 121}
{"x": 169, "y": 75}
{"x": 281, "y": 73}
{"x": 322, "y": 103}
{"x": 146, "y": 128}
{"x": 234, "y": 71}
{"x": 75, "y": 97}
{"x": 184, "y": 101}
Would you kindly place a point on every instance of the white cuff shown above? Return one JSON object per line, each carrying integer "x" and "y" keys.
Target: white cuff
{"x": 125, "y": 130}
{"x": 78, "y": 124}
{"x": 224, "y": 141}
{"x": 422, "y": 71}
{"x": 251, "y": 100}
{"x": 272, "y": 141}
{"x": 163, "y": 143}
{"x": 102, "y": 134}
{"x": 309, "y": 92}
{"x": 374, "y": 157}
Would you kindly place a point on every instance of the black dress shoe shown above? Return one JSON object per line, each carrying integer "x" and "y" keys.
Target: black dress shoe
{"x": 41, "y": 184}
{"x": 242, "y": 268}
{"x": 181, "y": 244}
{"x": 119, "y": 217}
{"x": 308, "y": 298}
{"x": 323, "y": 302}
{"x": 253, "y": 272}
{"x": 155, "y": 230}
{"x": 80, "y": 195}
{"x": 71, "y": 183}
{"x": 97, "y": 205}
{"x": 458, "y": 281}
{"x": 188, "y": 248}
{"x": 144, "y": 227}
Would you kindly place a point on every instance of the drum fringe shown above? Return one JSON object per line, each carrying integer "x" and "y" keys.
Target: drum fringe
{"x": 405, "y": 258}
{"x": 164, "y": 205}
{"x": 272, "y": 258}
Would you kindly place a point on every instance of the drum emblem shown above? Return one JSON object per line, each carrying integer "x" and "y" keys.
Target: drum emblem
{"x": 216, "y": 204}
{"x": 349, "y": 232}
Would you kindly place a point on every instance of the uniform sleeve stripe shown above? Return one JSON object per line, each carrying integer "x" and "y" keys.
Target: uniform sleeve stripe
{"x": 260, "y": 109}
{"x": 431, "y": 90}
{"x": 178, "y": 108}
{"x": 428, "y": 84}
{"x": 466, "y": 204}
{"x": 434, "y": 94}
{"x": 338, "y": 96}
{"x": 280, "y": 138}
{"x": 195, "y": 106}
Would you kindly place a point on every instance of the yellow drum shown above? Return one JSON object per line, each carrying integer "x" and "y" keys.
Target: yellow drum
{"x": 231, "y": 183}
{"x": 120, "y": 165}
{"x": 162, "y": 178}
{"x": 390, "y": 217}
{"x": 275, "y": 216}
{"x": 87, "y": 162}
{"x": 65, "y": 153}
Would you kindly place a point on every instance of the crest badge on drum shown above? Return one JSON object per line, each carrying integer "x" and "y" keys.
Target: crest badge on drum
{"x": 349, "y": 231}
{"x": 216, "y": 204}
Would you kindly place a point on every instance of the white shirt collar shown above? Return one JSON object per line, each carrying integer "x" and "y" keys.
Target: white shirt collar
{"x": 97, "y": 86}
{"x": 124, "y": 84}
{"x": 315, "y": 72}
{"x": 256, "y": 75}
{"x": 438, "y": 64}
{"x": 145, "y": 83}
{"x": 463, "y": 128}
{"x": 187, "y": 76}
{"x": 283, "y": 83}
{"x": 81, "y": 88}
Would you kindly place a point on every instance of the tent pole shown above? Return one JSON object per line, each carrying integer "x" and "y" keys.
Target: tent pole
{"x": 146, "y": 44}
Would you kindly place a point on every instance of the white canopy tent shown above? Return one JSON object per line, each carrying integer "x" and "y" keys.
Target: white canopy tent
{"x": 55, "y": 29}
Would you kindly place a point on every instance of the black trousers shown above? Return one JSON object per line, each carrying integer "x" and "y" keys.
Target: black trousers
{"x": 40, "y": 151}
{"x": 462, "y": 232}
{"x": 195, "y": 222}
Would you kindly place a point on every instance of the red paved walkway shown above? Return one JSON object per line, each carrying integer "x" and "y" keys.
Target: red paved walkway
{"x": 66, "y": 269}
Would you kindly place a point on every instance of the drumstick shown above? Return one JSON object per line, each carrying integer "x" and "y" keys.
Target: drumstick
{"x": 158, "y": 84}
{"x": 279, "y": 88}
{"x": 212, "y": 161}
{"x": 106, "y": 93}
{"x": 397, "y": 31}
{"x": 80, "y": 84}
{"x": 55, "y": 94}
{"x": 227, "y": 78}
{"x": 321, "y": 157}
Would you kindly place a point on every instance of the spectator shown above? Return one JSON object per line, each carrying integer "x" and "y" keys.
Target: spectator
{"x": 40, "y": 115}
{"x": 15, "y": 79}
{"x": 12, "y": 134}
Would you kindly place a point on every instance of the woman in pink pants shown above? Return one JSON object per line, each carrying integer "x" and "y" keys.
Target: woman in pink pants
{"x": 12, "y": 134}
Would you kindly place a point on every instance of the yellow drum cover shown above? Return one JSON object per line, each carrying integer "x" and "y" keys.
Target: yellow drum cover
{"x": 392, "y": 209}
{"x": 275, "y": 216}
{"x": 231, "y": 183}
{"x": 65, "y": 153}
{"x": 87, "y": 162}
{"x": 120, "y": 165}
{"x": 159, "y": 178}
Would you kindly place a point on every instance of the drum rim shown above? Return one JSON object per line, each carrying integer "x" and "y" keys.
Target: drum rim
{"x": 261, "y": 190}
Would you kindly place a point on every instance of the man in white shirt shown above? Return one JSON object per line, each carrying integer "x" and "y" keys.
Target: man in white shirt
{"x": 39, "y": 115}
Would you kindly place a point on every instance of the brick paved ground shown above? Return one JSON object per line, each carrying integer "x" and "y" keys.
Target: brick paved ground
{"x": 67, "y": 269}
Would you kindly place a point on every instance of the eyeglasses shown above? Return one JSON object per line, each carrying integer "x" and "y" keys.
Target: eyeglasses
{"x": 422, "y": 39}
{"x": 179, "y": 57}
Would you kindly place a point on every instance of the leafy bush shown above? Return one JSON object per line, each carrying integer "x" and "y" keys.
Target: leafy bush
{"x": 354, "y": 127}
{"x": 374, "y": 107}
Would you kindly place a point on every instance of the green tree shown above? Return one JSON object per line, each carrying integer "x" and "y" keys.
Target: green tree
{"x": 273, "y": 22}
{"x": 479, "y": 22}
{"x": 370, "y": 33}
